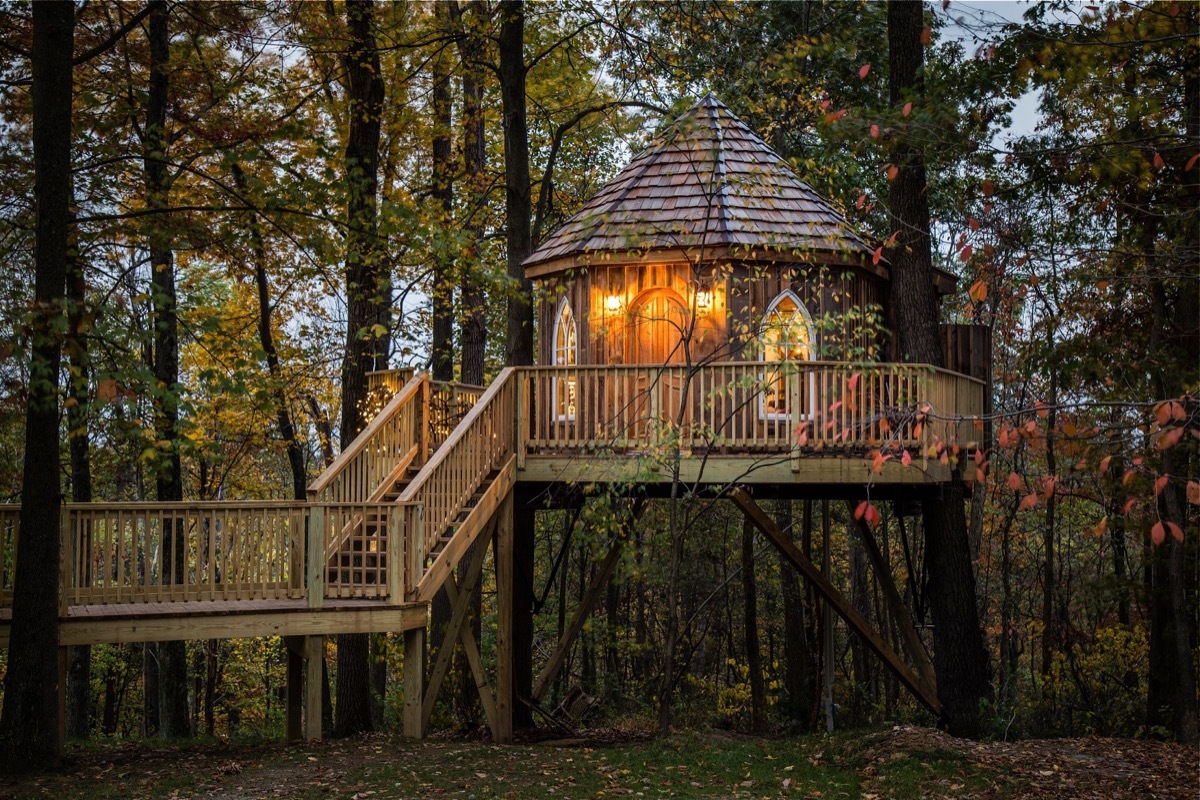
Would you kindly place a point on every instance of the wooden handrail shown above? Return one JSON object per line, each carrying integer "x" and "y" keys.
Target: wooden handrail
{"x": 368, "y": 433}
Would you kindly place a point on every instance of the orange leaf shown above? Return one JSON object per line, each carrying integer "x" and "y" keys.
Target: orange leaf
{"x": 1128, "y": 477}
{"x": 1048, "y": 486}
{"x": 852, "y": 384}
{"x": 892, "y": 172}
{"x": 1191, "y": 162}
{"x": 988, "y": 188}
{"x": 1158, "y": 161}
{"x": 1129, "y": 504}
{"x": 1160, "y": 484}
{"x": 1177, "y": 412}
{"x": 878, "y": 255}
{"x": 860, "y": 509}
{"x": 874, "y": 131}
{"x": 1176, "y": 531}
{"x": 908, "y": 110}
{"x": 1162, "y": 413}
{"x": 1101, "y": 527}
{"x": 871, "y": 515}
{"x": 1157, "y": 533}
{"x": 979, "y": 476}
{"x": 1014, "y": 481}
{"x": 978, "y": 291}
{"x": 863, "y": 70}
{"x": 1193, "y": 493}
{"x": 1029, "y": 501}
{"x": 1104, "y": 462}
{"x": 906, "y": 458}
{"x": 965, "y": 255}
{"x": 926, "y": 35}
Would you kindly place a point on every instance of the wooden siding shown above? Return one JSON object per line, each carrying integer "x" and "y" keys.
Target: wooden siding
{"x": 741, "y": 295}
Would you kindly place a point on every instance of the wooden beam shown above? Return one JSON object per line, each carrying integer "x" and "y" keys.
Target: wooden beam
{"x": 101, "y": 630}
{"x": 295, "y": 687}
{"x": 461, "y": 605}
{"x": 856, "y": 621}
{"x": 471, "y": 650}
{"x": 900, "y": 612}
{"x": 502, "y": 730}
{"x": 314, "y": 676}
{"x": 578, "y": 619}
{"x": 414, "y": 682}
{"x": 467, "y": 532}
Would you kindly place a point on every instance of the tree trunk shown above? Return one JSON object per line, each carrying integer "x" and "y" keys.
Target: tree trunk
{"x": 79, "y": 679}
{"x": 517, "y": 194}
{"x": 173, "y": 719}
{"x": 961, "y": 660}
{"x": 442, "y": 351}
{"x": 758, "y": 691}
{"x": 368, "y": 304}
{"x": 797, "y": 653}
{"x": 474, "y": 148}
{"x": 29, "y": 721}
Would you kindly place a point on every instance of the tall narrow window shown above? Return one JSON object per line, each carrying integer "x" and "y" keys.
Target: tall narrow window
{"x": 787, "y": 337}
{"x": 566, "y": 354}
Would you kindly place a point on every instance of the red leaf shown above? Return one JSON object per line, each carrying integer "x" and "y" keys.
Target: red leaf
{"x": 965, "y": 255}
{"x": 987, "y": 189}
{"x": 1014, "y": 481}
{"x": 1029, "y": 501}
{"x": 871, "y": 515}
{"x": 852, "y": 384}
{"x": 1129, "y": 504}
{"x": 1157, "y": 533}
{"x": 1176, "y": 531}
{"x": 862, "y": 198}
{"x": 1158, "y": 161}
{"x": 1192, "y": 162}
{"x": 945, "y": 4}
{"x": 860, "y": 509}
{"x": 973, "y": 224}
{"x": 1159, "y": 485}
{"x": 878, "y": 255}
{"x": 874, "y": 131}
{"x": 863, "y": 70}
{"x": 906, "y": 459}
{"x": 908, "y": 110}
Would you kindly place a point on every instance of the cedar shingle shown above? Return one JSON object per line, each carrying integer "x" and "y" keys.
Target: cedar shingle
{"x": 707, "y": 180}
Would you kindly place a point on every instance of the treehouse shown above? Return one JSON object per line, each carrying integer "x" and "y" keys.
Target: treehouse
{"x": 706, "y": 318}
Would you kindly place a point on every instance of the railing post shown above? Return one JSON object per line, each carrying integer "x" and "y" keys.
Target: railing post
{"x": 426, "y": 419}
{"x": 793, "y": 404}
{"x": 396, "y": 554}
{"x": 66, "y": 552}
{"x": 316, "y": 556}
{"x": 414, "y": 547}
{"x": 520, "y": 404}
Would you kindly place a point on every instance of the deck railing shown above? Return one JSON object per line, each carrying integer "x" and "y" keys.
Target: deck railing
{"x": 479, "y": 444}
{"x": 448, "y": 404}
{"x": 367, "y": 543}
{"x": 747, "y": 407}
{"x": 397, "y": 437}
{"x": 387, "y": 382}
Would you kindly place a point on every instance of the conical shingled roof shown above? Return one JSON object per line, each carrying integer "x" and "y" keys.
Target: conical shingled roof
{"x": 709, "y": 182}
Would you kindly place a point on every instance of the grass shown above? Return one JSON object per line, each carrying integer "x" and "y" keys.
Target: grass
{"x": 694, "y": 765}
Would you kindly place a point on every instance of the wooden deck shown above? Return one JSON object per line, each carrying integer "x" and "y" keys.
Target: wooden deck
{"x": 227, "y": 619}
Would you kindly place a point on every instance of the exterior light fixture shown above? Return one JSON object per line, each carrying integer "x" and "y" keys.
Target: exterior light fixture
{"x": 613, "y": 302}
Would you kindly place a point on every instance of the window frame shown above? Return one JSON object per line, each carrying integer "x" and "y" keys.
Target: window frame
{"x": 802, "y": 317}
{"x": 564, "y": 355}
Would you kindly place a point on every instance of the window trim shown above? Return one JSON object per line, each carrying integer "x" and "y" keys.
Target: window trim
{"x": 565, "y": 356}
{"x": 806, "y": 320}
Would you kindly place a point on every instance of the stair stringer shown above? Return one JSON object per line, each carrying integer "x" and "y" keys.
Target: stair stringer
{"x": 468, "y": 531}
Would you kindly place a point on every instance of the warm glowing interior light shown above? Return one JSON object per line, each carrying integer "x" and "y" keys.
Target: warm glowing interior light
{"x": 613, "y": 302}
{"x": 704, "y": 298}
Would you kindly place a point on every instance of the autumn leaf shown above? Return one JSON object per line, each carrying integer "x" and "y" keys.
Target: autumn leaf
{"x": 1104, "y": 462}
{"x": 1193, "y": 493}
{"x": 1160, "y": 484}
{"x": 1028, "y": 502}
{"x": 1158, "y": 161}
{"x": 1191, "y": 162}
{"x": 978, "y": 291}
{"x": 892, "y": 172}
{"x": 965, "y": 254}
{"x": 863, "y": 70}
{"x": 1176, "y": 531}
{"x": 1158, "y": 534}
{"x": 908, "y": 110}
{"x": 906, "y": 459}
{"x": 878, "y": 255}
{"x": 1101, "y": 527}
{"x": 860, "y": 509}
{"x": 926, "y": 35}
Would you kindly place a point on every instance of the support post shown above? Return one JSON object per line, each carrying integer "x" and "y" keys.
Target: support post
{"x": 502, "y": 732}
{"x": 314, "y": 675}
{"x": 414, "y": 682}
{"x": 316, "y": 557}
{"x": 295, "y": 687}
{"x": 64, "y": 665}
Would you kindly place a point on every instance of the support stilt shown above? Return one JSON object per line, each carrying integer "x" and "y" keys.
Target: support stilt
{"x": 502, "y": 731}
{"x": 294, "y": 645}
{"x": 314, "y": 679}
{"x": 414, "y": 683}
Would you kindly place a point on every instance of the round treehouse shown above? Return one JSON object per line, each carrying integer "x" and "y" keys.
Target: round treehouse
{"x": 708, "y": 261}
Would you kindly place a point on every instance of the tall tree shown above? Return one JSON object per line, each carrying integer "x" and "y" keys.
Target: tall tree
{"x": 960, "y": 658}
{"x": 442, "y": 350}
{"x": 472, "y": 52}
{"x": 367, "y": 302}
{"x": 29, "y": 721}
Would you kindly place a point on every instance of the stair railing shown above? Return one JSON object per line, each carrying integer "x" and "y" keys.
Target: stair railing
{"x": 480, "y": 443}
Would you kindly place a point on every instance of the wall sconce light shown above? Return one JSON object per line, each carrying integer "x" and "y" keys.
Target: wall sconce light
{"x": 613, "y": 302}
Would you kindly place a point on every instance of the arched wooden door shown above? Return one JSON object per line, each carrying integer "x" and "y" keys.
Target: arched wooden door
{"x": 658, "y": 321}
{"x": 657, "y": 325}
